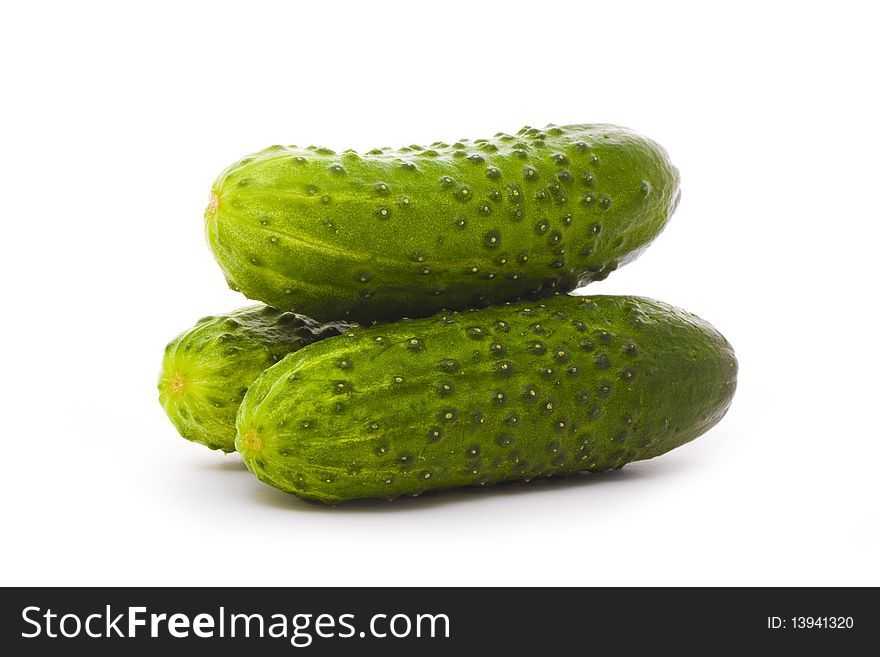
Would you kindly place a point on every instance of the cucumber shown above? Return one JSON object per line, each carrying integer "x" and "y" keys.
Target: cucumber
{"x": 207, "y": 369}
{"x": 513, "y": 392}
{"x": 409, "y": 232}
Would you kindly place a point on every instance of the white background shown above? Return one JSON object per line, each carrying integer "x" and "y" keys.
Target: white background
{"x": 115, "y": 121}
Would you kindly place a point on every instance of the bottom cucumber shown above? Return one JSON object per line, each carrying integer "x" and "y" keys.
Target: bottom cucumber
{"x": 504, "y": 393}
{"x": 208, "y": 368}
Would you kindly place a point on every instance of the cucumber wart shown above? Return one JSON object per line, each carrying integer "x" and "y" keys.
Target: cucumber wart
{"x": 511, "y": 392}
{"x": 208, "y": 368}
{"x": 409, "y": 232}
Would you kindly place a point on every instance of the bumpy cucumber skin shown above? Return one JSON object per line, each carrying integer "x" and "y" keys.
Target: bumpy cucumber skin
{"x": 413, "y": 231}
{"x": 515, "y": 392}
{"x": 207, "y": 369}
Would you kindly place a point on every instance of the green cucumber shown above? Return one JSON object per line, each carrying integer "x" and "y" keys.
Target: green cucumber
{"x": 409, "y": 232}
{"x": 510, "y": 392}
{"x": 208, "y": 368}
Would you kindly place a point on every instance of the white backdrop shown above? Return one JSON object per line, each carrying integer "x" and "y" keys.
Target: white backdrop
{"x": 115, "y": 121}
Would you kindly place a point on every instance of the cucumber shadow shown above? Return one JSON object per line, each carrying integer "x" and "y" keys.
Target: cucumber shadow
{"x": 629, "y": 475}
{"x": 228, "y": 463}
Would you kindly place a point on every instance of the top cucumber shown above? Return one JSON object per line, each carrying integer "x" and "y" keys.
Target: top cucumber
{"x": 408, "y": 232}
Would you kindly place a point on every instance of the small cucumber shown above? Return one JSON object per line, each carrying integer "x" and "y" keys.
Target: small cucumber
{"x": 208, "y": 368}
{"x": 409, "y": 232}
{"x": 513, "y": 392}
